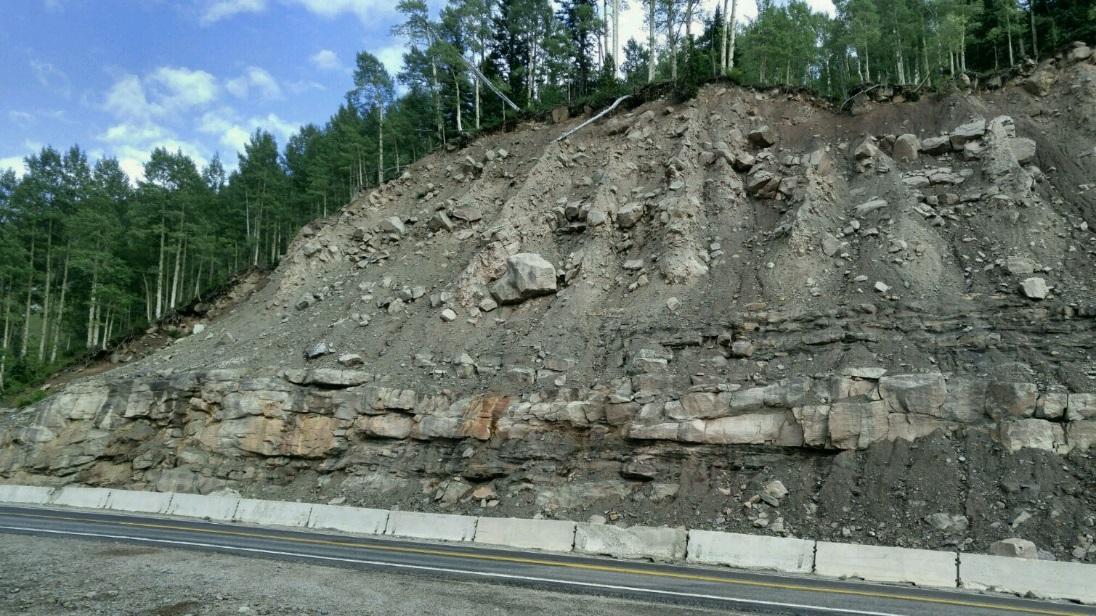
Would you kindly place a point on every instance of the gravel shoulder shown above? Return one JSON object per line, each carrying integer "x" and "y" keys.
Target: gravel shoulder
{"x": 41, "y": 576}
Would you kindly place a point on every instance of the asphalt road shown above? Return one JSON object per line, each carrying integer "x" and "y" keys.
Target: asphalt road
{"x": 653, "y": 583}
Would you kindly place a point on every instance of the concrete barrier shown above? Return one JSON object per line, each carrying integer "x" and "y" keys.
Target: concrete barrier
{"x": 550, "y": 535}
{"x": 219, "y": 508}
{"x": 274, "y": 513}
{"x": 139, "y": 502}
{"x": 1042, "y": 578}
{"x": 751, "y": 551}
{"x": 348, "y": 519}
{"x": 658, "y": 544}
{"x": 86, "y": 498}
{"x": 886, "y": 564}
{"x": 439, "y": 526}
{"x": 25, "y": 495}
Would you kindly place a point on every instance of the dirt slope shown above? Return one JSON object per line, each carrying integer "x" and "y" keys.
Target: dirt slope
{"x": 891, "y": 313}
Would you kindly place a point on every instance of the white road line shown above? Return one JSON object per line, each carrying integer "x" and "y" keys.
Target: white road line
{"x": 461, "y": 571}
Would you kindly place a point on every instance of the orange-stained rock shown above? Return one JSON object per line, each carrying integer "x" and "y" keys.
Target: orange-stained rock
{"x": 481, "y": 415}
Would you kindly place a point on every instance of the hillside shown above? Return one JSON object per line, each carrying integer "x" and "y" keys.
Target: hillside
{"x": 890, "y": 313}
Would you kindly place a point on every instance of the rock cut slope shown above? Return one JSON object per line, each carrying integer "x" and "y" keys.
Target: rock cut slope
{"x": 891, "y": 312}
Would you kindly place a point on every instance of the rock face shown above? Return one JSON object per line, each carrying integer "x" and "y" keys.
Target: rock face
{"x": 314, "y": 414}
{"x": 660, "y": 307}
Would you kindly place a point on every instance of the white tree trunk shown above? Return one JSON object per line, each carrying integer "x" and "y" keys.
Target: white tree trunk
{"x": 616, "y": 37}
{"x": 651, "y": 42}
{"x": 380, "y": 145}
{"x": 26, "y": 315}
{"x": 44, "y": 334}
{"x": 160, "y": 273}
{"x": 731, "y": 26}
{"x": 60, "y": 312}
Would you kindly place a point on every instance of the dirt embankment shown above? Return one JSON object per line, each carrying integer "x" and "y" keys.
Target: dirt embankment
{"x": 891, "y": 314}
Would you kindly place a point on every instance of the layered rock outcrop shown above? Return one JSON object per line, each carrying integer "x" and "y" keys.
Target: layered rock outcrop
{"x": 229, "y": 426}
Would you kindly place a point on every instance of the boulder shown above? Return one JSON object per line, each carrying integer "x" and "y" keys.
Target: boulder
{"x": 965, "y": 133}
{"x": 467, "y": 213}
{"x": 1020, "y": 266}
{"x": 1023, "y": 149}
{"x": 867, "y": 150}
{"x": 316, "y": 350}
{"x": 948, "y": 523}
{"x": 774, "y": 492}
{"x": 629, "y": 215}
{"x": 1041, "y": 81}
{"x": 1015, "y": 548}
{"x": 761, "y": 183}
{"x": 351, "y": 360}
{"x": 762, "y": 137}
{"x": 868, "y": 207}
{"x": 393, "y": 225}
{"x": 1079, "y": 52}
{"x": 1034, "y": 288}
{"x": 906, "y": 148}
{"x": 441, "y": 222}
{"x": 527, "y": 275}
{"x": 936, "y": 145}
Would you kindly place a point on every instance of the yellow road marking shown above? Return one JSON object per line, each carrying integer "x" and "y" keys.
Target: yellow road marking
{"x": 571, "y": 565}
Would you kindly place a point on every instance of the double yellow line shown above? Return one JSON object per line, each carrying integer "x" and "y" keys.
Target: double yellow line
{"x": 606, "y": 568}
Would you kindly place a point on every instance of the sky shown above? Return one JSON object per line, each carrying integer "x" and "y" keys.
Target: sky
{"x": 122, "y": 77}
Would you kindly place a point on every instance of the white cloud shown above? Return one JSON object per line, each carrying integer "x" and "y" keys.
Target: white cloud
{"x": 325, "y": 60}
{"x": 134, "y": 133}
{"x": 222, "y": 9}
{"x": 234, "y": 133}
{"x": 52, "y": 78}
{"x": 21, "y": 118}
{"x": 126, "y": 98}
{"x": 179, "y": 87}
{"x": 297, "y": 87}
{"x": 14, "y": 162}
{"x": 167, "y": 90}
{"x": 132, "y": 158}
{"x": 364, "y": 10}
{"x": 391, "y": 57}
{"x": 257, "y": 78}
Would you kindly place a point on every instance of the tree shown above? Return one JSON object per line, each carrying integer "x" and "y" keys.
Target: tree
{"x": 419, "y": 31}
{"x": 372, "y": 93}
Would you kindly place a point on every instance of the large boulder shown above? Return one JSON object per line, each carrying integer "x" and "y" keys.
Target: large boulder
{"x": 762, "y": 137}
{"x": 527, "y": 275}
{"x": 906, "y": 148}
{"x": 966, "y": 133}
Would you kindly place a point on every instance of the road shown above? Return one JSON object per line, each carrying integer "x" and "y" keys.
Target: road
{"x": 722, "y": 589}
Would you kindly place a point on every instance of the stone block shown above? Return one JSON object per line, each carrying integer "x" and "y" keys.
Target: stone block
{"x": 437, "y": 526}
{"x": 550, "y": 535}
{"x": 751, "y": 551}
{"x": 1042, "y": 578}
{"x": 272, "y": 513}
{"x": 207, "y": 506}
{"x": 886, "y": 564}
{"x": 356, "y": 520}
{"x": 636, "y": 542}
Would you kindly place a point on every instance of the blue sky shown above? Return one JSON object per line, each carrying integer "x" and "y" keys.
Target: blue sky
{"x": 122, "y": 77}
